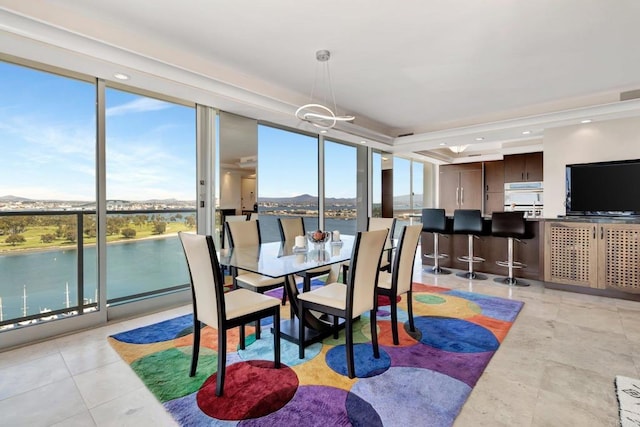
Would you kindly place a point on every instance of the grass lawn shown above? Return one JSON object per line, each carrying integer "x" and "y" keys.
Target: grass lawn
{"x": 33, "y": 241}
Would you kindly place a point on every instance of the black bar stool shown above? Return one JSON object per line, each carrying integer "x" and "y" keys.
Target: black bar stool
{"x": 434, "y": 221}
{"x": 512, "y": 226}
{"x": 469, "y": 222}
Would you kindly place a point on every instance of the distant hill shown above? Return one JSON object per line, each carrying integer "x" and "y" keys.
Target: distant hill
{"x": 11, "y": 198}
{"x": 307, "y": 198}
{"x": 303, "y": 199}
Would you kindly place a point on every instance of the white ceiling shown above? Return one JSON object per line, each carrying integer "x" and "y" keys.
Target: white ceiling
{"x": 444, "y": 71}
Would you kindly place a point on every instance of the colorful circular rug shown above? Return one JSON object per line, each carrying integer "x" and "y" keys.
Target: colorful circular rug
{"x": 424, "y": 380}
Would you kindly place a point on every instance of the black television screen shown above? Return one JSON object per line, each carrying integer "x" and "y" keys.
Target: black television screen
{"x": 606, "y": 188}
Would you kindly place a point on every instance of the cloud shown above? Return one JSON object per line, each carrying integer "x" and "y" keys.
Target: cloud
{"x": 139, "y": 105}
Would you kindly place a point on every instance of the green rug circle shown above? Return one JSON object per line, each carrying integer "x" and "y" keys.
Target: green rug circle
{"x": 429, "y": 299}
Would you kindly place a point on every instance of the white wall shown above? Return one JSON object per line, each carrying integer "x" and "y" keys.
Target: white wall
{"x": 230, "y": 190}
{"x": 593, "y": 142}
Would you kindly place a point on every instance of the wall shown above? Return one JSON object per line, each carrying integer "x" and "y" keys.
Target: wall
{"x": 593, "y": 142}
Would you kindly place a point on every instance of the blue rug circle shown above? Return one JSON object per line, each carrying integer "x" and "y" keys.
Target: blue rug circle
{"x": 455, "y": 335}
{"x": 158, "y": 332}
{"x": 365, "y": 364}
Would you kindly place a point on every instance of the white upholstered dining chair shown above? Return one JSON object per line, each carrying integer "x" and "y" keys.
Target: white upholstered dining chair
{"x": 220, "y": 310}
{"x": 375, "y": 223}
{"x": 244, "y": 234}
{"x": 400, "y": 280}
{"x": 350, "y": 300}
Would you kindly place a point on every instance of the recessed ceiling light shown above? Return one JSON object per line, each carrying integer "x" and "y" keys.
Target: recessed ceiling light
{"x": 443, "y": 143}
{"x": 385, "y": 159}
{"x": 121, "y": 76}
{"x": 323, "y": 131}
{"x": 586, "y": 121}
{"x": 363, "y": 142}
{"x": 526, "y": 132}
{"x": 479, "y": 138}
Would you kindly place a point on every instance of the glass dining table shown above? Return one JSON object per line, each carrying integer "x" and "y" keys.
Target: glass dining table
{"x": 281, "y": 259}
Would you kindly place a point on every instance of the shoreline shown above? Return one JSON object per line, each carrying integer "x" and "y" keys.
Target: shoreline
{"x": 74, "y": 247}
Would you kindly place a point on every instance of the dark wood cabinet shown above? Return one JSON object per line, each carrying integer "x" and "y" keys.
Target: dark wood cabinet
{"x": 494, "y": 176}
{"x": 461, "y": 187}
{"x": 493, "y": 202}
{"x": 523, "y": 167}
{"x": 493, "y": 187}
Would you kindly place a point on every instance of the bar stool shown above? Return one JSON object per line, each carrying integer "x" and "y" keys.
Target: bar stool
{"x": 434, "y": 221}
{"x": 512, "y": 226}
{"x": 469, "y": 222}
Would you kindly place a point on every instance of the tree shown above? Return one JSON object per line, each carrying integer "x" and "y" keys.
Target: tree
{"x": 190, "y": 221}
{"x": 14, "y": 239}
{"x": 71, "y": 236}
{"x": 128, "y": 233}
{"x": 47, "y": 238}
{"x": 159, "y": 227}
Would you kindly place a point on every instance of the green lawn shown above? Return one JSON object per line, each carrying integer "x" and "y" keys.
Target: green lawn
{"x": 32, "y": 236}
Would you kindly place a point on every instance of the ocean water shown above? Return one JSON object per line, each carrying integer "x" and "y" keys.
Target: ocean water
{"x": 132, "y": 267}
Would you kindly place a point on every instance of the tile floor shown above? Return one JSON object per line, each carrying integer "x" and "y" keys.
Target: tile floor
{"x": 555, "y": 368}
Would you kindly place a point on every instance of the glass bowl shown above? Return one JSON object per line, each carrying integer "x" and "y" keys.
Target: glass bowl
{"x": 318, "y": 236}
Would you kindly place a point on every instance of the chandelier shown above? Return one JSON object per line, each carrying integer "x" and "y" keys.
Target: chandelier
{"x": 458, "y": 148}
{"x": 315, "y": 113}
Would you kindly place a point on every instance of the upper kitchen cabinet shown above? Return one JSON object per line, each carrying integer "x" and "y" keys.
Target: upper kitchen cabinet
{"x": 494, "y": 176}
{"x": 461, "y": 187}
{"x": 523, "y": 167}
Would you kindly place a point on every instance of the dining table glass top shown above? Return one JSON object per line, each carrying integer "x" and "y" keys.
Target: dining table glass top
{"x": 277, "y": 259}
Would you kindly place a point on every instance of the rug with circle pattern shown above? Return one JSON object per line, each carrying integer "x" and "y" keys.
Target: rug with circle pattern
{"x": 424, "y": 380}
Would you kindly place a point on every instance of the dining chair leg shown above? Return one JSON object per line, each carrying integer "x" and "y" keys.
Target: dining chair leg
{"x": 242, "y": 337}
{"x": 301, "y": 330}
{"x": 345, "y": 271}
{"x": 412, "y": 326}
{"x": 196, "y": 347}
{"x": 257, "y": 329}
{"x": 349, "y": 348}
{"x": 374, "y": 332}
{"x": 336, "y": 327}
{"x": 284, "y": 295}
{"x": 222, "y": 361}
{"x": 276, "y": 337}
{"x": 394, "y": 320}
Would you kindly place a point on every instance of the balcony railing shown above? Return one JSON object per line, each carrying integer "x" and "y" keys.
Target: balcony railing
{"x": 48, "y": 260}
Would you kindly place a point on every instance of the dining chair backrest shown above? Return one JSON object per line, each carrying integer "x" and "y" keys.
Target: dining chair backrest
{"x": 253, "y": 216}
{"x": 363, "y": 277}
{"x": 290, "y": 228}
{"x": 403, "y": 263}
{"x": 230, "y": 218}
{"x": 206, "y": 278}
{"x": 375, "y": 223}
{"x": 243, "y": 233}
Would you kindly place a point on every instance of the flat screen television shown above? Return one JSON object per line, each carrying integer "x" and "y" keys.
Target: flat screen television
{"x": 604, "y": 189}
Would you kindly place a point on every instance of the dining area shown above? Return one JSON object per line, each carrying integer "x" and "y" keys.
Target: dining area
{"x": 303, "y": 271}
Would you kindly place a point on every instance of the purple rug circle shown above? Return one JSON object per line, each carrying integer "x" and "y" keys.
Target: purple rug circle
{"x": 365, "y": 364}
{"x": 320, "y": 406}
{"x": 455, "y": 335}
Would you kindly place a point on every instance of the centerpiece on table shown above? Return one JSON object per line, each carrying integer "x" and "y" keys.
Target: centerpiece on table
{"x": 318, "y": 238}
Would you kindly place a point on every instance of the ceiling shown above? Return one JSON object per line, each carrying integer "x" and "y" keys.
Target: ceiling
{"x": 419, "y": 75}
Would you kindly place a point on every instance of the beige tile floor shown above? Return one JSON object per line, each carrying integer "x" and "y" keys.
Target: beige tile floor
{"x": 555, "y": 368}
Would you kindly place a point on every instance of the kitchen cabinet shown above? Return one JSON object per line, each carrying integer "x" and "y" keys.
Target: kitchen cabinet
{"x": 523, "y": 167}
{"x": 596, "y": 255}
{"x": 493, "y": 187}
{"x": 460, "y": 187}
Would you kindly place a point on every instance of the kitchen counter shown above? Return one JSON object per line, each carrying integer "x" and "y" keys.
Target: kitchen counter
{"x": 492, "y": 249}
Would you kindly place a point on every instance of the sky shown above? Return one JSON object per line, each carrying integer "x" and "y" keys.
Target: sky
{"x": 47, "y": 141}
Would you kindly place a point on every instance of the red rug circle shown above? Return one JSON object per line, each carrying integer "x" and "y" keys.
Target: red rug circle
{"x": 252, "y": 389}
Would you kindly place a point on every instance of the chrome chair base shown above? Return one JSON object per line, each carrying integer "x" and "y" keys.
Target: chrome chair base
{"x": 471, "y": 275}
{"x": 510, "y": 281}
{"x": 436, "y": 270}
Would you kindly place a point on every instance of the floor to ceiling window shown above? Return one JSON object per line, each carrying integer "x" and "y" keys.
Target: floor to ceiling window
{"x": 47, "y": 196}
{"x": 376, "y": 184}
{"x": 340, "y": 183}
{"x": 287, "y": 179}
{"x": 151, "y": 193}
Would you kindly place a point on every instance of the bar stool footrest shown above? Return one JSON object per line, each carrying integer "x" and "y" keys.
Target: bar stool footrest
{"x": 465, "y": 258}
{"x": 514, "y": 265}
{"x": 433, "y": 256}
